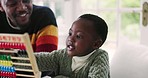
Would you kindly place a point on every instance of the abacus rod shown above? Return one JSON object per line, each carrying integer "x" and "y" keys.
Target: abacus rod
{"x": 8, "y": 51}
{"x": 21, "y": 64}
{"x": 26, "y": 70}
{"x": 19, "y": 58}
{"x": 22, "y": 75}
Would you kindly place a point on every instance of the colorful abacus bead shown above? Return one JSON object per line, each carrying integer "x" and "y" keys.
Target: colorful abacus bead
{"x": 8, "y": 45}
{"x": 13, "y": 72}
{"x": 0, "y": 71}
{"x": 22, "y": 46}
{"x": 0, "y": 44}
{"x": 9, "y": 61}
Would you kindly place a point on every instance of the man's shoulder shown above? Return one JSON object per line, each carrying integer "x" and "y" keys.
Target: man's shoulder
{"x": 3, "y": 20}
{"x": 2, "y": 14}
{"x": 41, "y": 8}
{"x": 42, "y": 11}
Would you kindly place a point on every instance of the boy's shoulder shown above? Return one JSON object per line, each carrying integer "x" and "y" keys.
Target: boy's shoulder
{"x": 101, "y": 51}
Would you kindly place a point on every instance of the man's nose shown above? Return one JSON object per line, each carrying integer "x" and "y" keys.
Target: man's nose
{"x": 21, "y": 6}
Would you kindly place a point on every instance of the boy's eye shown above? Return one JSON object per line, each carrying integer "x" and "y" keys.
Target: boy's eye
{"x": 69, "y": 33}
{"x": 78, "y": 37}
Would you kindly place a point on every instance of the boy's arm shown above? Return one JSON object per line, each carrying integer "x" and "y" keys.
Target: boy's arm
{"x": 100, "y": 67}
{"x": 61, "y": 76}
{"x": 46, "y": 61}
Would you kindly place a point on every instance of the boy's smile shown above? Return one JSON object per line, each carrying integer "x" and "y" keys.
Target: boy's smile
{"x": 70, "y": 46}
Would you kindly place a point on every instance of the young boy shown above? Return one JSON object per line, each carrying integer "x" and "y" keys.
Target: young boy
{"x": 82, "y": 57}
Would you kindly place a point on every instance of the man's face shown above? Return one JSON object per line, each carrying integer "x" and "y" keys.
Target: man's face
{"x": 17, "y": 11}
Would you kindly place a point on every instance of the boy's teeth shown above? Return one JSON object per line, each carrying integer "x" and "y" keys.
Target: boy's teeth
{"x": 70, "y": 47}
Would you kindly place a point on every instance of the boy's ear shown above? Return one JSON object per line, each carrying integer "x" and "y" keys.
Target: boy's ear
{"x": 98, "y": 43}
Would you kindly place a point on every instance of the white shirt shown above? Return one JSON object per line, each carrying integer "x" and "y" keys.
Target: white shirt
{"x": 79, "y": 62}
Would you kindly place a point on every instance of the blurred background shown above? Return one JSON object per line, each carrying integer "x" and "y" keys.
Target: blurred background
{"x": 124, "y": 18}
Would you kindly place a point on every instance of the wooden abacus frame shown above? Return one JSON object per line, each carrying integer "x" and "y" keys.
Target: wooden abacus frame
{"x": 21, "y": 38}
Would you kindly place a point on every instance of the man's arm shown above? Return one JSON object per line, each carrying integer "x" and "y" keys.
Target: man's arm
{"x": 47, "y": 40}
{"x": 46, "y": 30}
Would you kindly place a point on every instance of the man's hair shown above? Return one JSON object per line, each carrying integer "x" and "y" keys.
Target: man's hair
{"x": 99, "y": 24}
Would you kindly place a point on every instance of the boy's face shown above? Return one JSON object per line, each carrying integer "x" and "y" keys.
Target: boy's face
{"x": 17, "y": 11}
{"x": 82, "y": 38}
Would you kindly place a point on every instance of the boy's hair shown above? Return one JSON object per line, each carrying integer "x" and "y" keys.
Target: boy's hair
{"x": 99, "y": 24}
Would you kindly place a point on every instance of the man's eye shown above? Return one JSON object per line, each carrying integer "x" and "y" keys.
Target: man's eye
{"x": 26, "y": 1}
{"x": 11, "y": 4}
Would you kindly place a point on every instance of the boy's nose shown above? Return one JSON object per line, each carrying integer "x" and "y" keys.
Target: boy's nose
{"x": 71, "y": 38}
{"x": 70, "y": 42}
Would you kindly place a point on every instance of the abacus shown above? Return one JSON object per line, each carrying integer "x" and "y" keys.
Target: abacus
{"x": 16, "y": 57}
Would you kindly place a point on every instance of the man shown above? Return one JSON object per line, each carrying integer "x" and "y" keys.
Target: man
{"x": 21, "y": 16}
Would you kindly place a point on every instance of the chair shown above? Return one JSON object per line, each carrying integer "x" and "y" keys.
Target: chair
{"x": 130, "y": 61}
